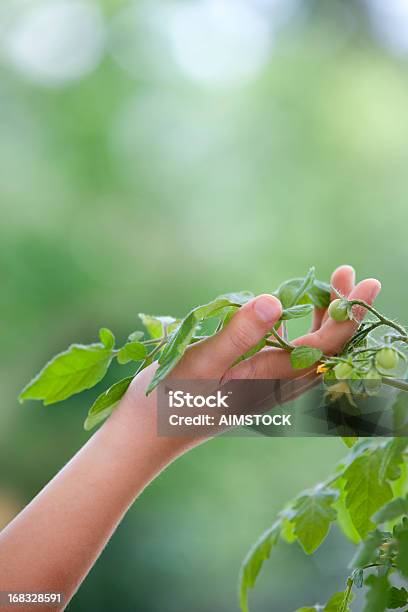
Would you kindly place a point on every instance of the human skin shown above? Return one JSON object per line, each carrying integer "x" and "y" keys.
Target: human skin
{"x": 54, "y": 542}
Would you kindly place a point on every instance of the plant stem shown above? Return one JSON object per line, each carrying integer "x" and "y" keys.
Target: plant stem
{"x": 365, "y": 350}
{"x": 375, "y": 565}
{"x": 359, "y": 335}
{"x": 156, "y": 349}
{"x": 400, "y": 339}
{"x": 347, "y": 595}
{"x": 283, "y": 344}
{"x": 379, "y": 316}
{"x": 272, "y": 343}
{"x": 284, "y": 331}
{"x": 395, "y": 382}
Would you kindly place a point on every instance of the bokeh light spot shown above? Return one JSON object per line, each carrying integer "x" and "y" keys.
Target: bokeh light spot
{"x": 57, "y": 41}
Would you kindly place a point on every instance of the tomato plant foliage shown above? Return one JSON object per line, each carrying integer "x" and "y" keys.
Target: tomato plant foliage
{"x": 367, "y": 493}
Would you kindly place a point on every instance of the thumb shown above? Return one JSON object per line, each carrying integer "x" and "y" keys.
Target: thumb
{"x": 246, "y": 328}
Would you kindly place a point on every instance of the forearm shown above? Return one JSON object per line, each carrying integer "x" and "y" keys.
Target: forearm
{"x": 54, "y": 542}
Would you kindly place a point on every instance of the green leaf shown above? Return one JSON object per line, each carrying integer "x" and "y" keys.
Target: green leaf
{"x": 304, "y": 356}
{"x": 312, "y": 514}
{"x": 296, "y": 312}
{"x": 78, "y": 368}
{"x": 392, "y": 457}
{"x": 400, "y": 411}
{"x": 399, "y": 487}
{"x": 288, "y": 531}
{"x": 135, "y": 336}
{"x": 397, "y": 598}
{"x": 401, "y": 535}
{"x": 238, "y": 298}
{"x": 132, "y": 351}
{"x": 343, "y": 516}
{"x": 106, "y": 403}
{"x": 305, "y": 285}
{"x": 337, "y": 602}
{"x": 181, "y": 338}
{"x": 365, "y": 494}
{"x": 319, "y": 294}
{"x": 107, "y": 338}
{"x": 287, "y": 291}
{"x": 254, "y": 560}
{"x": 294, "y": 291}
{"x": 377, "y": 594}
{"x": 360, "y": 448}
{"x": 394, "y": 509}
{"x": 367, "y": 552}
{"x": 158, "y": 326}
{"x": 349, "y": 441}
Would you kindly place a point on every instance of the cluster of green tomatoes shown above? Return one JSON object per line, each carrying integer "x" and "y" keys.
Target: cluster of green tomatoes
{"x": 367, "y": 359}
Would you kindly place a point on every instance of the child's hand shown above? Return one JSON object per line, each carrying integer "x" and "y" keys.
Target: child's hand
{"x": 326, "y": 334}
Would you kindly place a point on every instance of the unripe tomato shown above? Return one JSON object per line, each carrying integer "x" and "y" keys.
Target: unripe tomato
{"x": 372, "y": 381}
{"x": 343, "y": 371}
{"x": 387, "y": 359}
{"x": 338, "y": 310}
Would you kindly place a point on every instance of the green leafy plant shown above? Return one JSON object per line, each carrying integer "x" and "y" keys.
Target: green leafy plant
{"x": 367, "y": 498}
{"x": 367, "y": 495}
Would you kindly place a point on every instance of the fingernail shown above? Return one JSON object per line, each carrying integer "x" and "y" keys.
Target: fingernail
{"x": 267, "y": 308}
{"x": 376, "y": 289}
{"x": 353, "y": 273}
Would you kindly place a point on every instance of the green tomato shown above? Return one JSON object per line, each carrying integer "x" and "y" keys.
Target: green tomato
{"x": 387, "y": 359}
{"x": 338, "y": 310}
{"x": 343, "y": 371}
{"x": 372, "y": 381}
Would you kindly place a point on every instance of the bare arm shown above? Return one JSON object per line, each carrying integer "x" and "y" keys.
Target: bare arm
{"x": 55, "y": 540}
{"x": 53, "y": 543}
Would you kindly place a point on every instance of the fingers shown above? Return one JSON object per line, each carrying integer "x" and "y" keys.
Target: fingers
{"x": 343, "y": 280}
{"x": 318, "y": 316}
{"x": 330, "y": 338}
{"x": 246, "y": 328}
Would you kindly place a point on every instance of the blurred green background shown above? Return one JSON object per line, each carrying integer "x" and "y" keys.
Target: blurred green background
{"x": 156, "y": 154}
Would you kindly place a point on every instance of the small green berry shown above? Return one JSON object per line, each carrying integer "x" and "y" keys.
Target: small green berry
{"x": 343, "y": 371}
{"x": 387, "y": 359}
{"x": 338, "y": 310}
{"x": 372, "y": 381}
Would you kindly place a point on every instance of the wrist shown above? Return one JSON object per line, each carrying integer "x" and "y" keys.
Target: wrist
{"x": 133, "y": 426}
